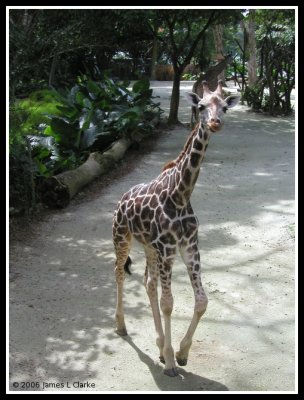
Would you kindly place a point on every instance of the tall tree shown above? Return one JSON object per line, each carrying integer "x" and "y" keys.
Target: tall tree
{"x": 155, "y": 48}
{"x": 183, "y": 31}
{"x": 183, "y": 39}
{"x": 251, "y": 48}
{"x": 219, "y": 47}
{"x": 276, "y": 43}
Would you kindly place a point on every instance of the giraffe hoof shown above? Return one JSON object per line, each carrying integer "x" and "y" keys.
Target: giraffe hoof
{"x": 171, "y": 372}
{"x": 161, "y": 359}
{"x": 181, "y": 361}
{"x": 121, "y": 332}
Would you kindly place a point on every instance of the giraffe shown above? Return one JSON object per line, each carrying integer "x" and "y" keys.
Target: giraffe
{"x": 159, "y": 215}
{"x": 211, "y": 77}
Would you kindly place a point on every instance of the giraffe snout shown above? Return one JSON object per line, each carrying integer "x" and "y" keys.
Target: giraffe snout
{"x": 215, "y": 124}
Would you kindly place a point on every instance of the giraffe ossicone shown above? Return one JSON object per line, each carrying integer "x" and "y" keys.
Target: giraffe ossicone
{"x": 159, "y": 215}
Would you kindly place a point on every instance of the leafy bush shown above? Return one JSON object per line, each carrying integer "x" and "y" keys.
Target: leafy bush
{"x": 92, "y": 115}
{"x": 51, "y": 132}
{"x": 31, "y": 157}
{"x": 36, "y": 107}
{"x": 190, "y": 77}
{"x": 20, "y": 168}
{"x": 255, "y": 97}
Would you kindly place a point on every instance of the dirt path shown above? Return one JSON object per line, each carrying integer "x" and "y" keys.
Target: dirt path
{"x": 62, "y": 289}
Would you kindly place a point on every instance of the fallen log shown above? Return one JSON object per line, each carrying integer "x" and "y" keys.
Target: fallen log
{"x": 57, "y": 191}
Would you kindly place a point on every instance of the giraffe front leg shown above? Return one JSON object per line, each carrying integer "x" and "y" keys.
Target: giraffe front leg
{"x": 166, "y": 304}
{"x": 150, "y": 282}
{"x": 190, "y": 255}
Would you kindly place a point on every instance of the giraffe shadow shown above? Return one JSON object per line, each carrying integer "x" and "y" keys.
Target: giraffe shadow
{"x": 185, "y": 381}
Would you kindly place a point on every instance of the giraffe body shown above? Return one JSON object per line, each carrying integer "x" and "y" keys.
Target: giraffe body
{"x": 159, "y": 215}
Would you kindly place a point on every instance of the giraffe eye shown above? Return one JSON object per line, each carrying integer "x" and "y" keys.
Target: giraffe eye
{"x": 225, "y": 109}
{"x": 201, "y": 107}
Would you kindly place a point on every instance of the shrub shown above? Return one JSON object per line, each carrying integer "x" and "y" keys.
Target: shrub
{"x": 21, "y": 190}
{"x": 51, "y": 132}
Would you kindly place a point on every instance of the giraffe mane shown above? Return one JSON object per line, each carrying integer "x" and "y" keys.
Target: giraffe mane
{"x": 173, "y": 163}
{"x": 169, "y": 164}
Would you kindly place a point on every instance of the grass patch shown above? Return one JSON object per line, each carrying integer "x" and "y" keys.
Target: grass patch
{"x": 35, "y": 108}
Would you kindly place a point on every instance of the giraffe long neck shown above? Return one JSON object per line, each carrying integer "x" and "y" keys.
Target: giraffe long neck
{"x": 186, "y": 170}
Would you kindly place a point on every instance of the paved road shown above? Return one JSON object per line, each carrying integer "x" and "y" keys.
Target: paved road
{"x": 62, "y": 290}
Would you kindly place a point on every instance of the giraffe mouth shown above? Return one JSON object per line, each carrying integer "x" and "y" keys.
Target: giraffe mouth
{"x": 214, "y": 127}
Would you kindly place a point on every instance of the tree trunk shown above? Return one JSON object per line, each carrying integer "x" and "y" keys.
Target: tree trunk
{"x": 174, "y": 103}
{"x": 287, "y": 93}
{"x": 154, "y": 55}
{"x": 243, "y": 71}
{"x": 243, "y": 60}
{"x": 58, "y": 190}
{"x": 268, "y": 72}
{"x": 251, "y": 48}
{"x": 219, "y": 47}
{"x": 53, "y": 69}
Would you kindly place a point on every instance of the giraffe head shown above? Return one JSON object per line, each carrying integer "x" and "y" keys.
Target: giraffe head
{"x": 212, "y": 106}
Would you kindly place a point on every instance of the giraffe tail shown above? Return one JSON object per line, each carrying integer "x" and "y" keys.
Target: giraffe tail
{"x": 127, "y": 266}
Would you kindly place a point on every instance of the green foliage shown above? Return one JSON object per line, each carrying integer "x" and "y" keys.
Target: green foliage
{"x": 255, "y": 96}
{"x": 31, "y": 156}
{"x": 36, "y": 36}
{"x": 51, "y": 47}
{"x": 94, "y": 114}
{"x": 190, "y": 77}
{"x": 20, "y": 166}
{"x": 51, "y": 132}
{"x": 35, "y": 108}
{"x": 276, "y": 45}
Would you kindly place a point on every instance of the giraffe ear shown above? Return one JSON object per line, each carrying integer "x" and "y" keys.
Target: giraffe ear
{"x": 192, "y": 98}
{"x": 232, "y": 100}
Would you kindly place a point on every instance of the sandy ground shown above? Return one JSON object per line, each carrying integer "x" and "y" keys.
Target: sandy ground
{"x": 62, "y": 288}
